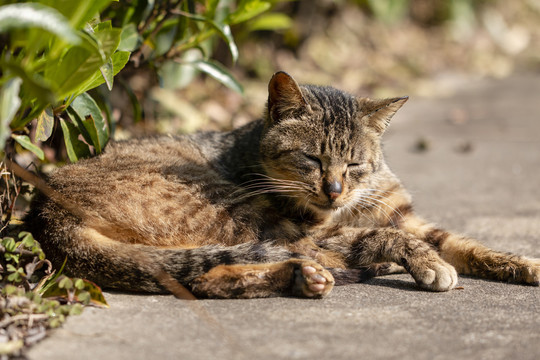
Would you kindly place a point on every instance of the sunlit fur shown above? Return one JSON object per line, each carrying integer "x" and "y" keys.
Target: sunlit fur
{"x": 335, "y": 138}
{"x": 286, "y": 205}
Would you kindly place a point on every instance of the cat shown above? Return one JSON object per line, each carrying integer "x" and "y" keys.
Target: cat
{"x": 289, "y": 205}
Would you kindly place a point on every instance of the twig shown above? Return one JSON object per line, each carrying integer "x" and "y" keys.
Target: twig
{"x": 21, "y": 252}
{"x": 14, "y": 318}
{"x": 169, "y": 11}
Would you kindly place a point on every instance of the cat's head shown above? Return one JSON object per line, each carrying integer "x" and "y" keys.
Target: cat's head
{"x": 320, "y": 145}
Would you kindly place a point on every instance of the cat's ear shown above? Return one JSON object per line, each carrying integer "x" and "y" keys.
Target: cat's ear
{"x": 284, "y": 96}
{"x": 378, "y": 113}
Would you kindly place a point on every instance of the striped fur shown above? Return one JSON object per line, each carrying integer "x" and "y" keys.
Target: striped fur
{"x": 288, "y": 205}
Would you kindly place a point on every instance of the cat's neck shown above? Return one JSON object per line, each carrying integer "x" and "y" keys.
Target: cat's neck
{"x": 235, "y": 154}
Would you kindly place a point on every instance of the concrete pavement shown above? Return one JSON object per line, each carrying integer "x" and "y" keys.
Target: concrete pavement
{"x": 480, "y": 175}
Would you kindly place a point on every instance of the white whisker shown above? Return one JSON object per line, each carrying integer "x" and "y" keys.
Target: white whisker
{"x": 268, "y": 185}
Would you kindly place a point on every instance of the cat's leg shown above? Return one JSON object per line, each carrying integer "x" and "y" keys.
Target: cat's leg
{"x": 296, "y": 277}
{"x": 345, "y": 276}
{"x": 364, "y": 247}
{"x": 470, "y": 257}
{"x": 111, "y": 264}
{"x": 246, "y": 270}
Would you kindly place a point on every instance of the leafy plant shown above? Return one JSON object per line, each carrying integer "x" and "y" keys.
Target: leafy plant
{"x": 55, "y": 51}
{"x": 54, "y": 54}
{"x": 178, "y": 37}
{"x": 34, "y": 297}
{"x": 21, "y": 259}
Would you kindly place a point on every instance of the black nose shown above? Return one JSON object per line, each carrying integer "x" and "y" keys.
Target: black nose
{"x": 333, "y": 189}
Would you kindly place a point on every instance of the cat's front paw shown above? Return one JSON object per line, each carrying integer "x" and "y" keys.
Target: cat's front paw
{"x": 431, "y": 272}
{"x": 311, "y": 279}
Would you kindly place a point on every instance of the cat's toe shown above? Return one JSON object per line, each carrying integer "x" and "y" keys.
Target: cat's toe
{"x": 435, "y": 275}
{"x": 312, "y": 280}
{"x": 446, "y": 278}
{"x": 531, "y": 272}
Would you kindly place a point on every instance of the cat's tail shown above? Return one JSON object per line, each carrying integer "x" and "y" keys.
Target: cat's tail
{"x": 121, "y": 265}
{"x": 151, "y": 269}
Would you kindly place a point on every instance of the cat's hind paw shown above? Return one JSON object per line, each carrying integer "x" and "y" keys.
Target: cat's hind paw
{"x": 311, "y": 280}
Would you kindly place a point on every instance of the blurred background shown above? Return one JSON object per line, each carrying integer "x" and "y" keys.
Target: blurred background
{"x": 77, "y": 74}
{"x": 367, "y": 47}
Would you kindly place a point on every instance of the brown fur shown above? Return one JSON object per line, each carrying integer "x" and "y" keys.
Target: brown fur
{"x": 259, "y": 211}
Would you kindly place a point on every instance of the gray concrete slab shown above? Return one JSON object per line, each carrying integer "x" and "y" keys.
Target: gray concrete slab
{"x": 491, "y": 192}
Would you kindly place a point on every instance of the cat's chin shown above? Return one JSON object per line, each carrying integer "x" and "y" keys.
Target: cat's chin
{"x": 327, "y": 208}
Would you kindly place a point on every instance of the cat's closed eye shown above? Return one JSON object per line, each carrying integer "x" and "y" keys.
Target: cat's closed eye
{"x": 358, "y": 169}
{"x": 313, "y": 160}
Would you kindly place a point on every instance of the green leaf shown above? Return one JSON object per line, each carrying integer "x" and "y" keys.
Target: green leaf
{"x": 218, "y": 72}
{"x": 25, "y": 142}
{"x": 56, "y": 321}
{"x": 96, "y": 295}
{"x": 223, "y": 30}
{"x": 106, "y": 25}
{"x": 10, "y": 290}
{"x": 76, "y": 309}
{"x": 33, "y": 85}
{"x": 77, "y": 65}
{"x": 20, "y": 16}
{"x": 80, "y": 63}
{"x": 27, "y": 239}
{"x": 227, "y": 34}
{"x": 78, "y": 12}
{"x": 248, "y": 9}
{"x": 107, "y": 72}
{"x": 78, "y": 122}
{"x": 90, "y": 116}
{"x": 88, "y": 293}
{"x": 84, "y": 297}
{"x": 119, "y": 60}
{"x": 9, "y": 104}
{"x": 9, "y": 244}
{"x": 79, "y": 284}
{"x": 274, "y": 21}
{"x": 14, "y": 277}
{"x": 76, "y": 149}
{"x": 45, "y": 124}
{"x": 130, "y": 38}
{"x": 109, "y": 39}
{"x": 65, "y": 283}
{"x": 14, "y": 257}
{"x": 178, "y": 75}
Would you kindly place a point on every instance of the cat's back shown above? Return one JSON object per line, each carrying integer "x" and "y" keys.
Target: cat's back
{"x": 136, "y": 163}
{"x": 166, "y": 190}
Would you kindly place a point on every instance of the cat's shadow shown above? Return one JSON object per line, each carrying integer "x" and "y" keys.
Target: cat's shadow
{"x": 401, "y": 284}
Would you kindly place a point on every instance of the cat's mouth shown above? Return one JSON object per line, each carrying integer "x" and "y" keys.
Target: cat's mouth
{"x": 328, "y": 206}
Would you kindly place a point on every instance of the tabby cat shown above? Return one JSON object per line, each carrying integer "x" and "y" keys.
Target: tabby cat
{"x": 291, "y": 204}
